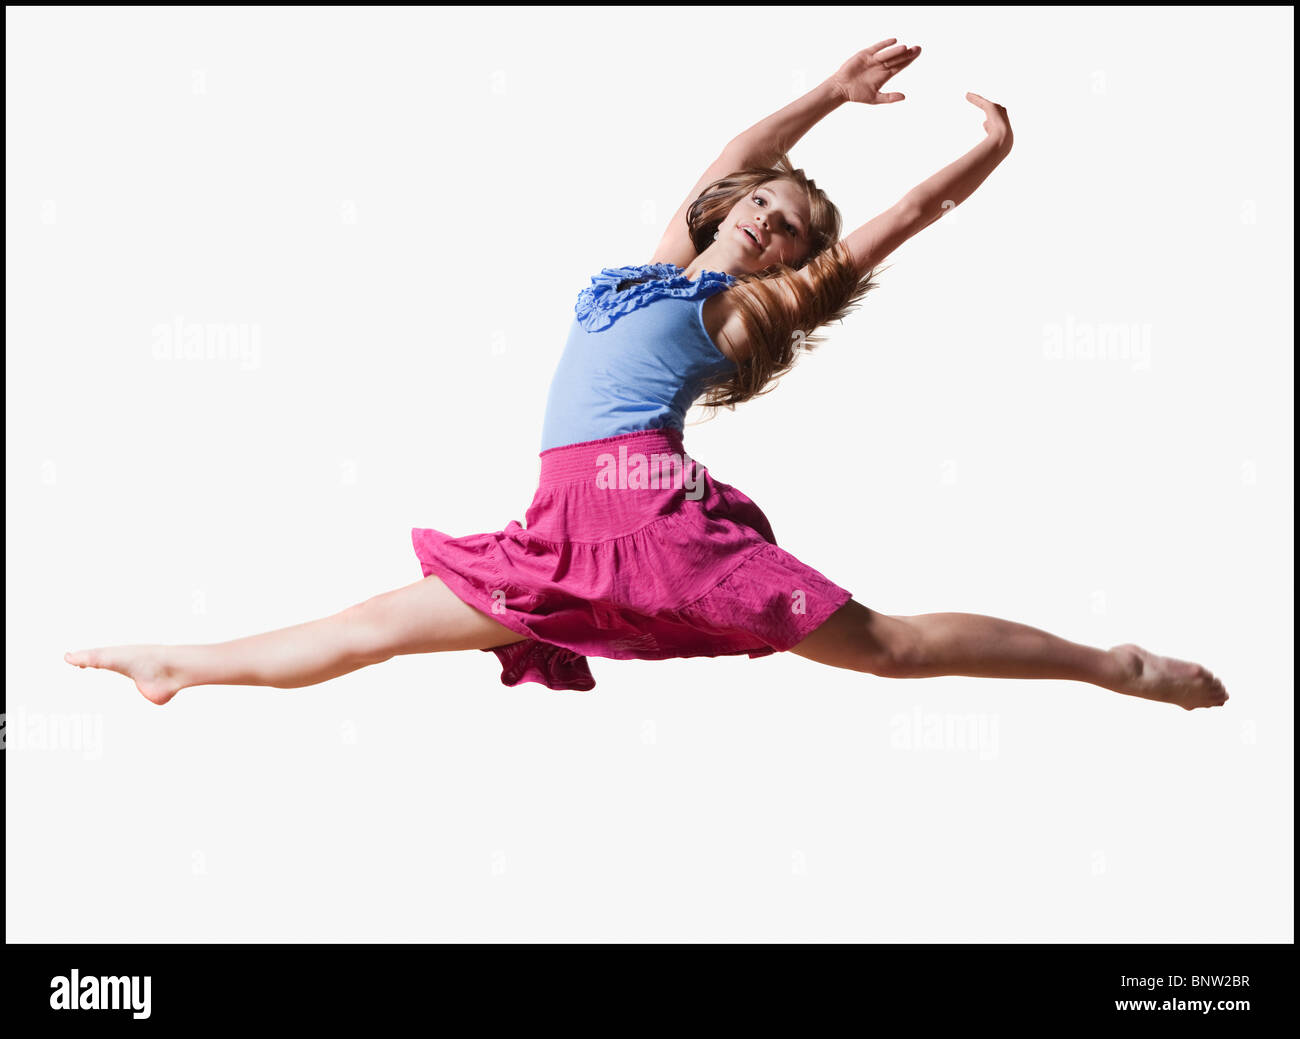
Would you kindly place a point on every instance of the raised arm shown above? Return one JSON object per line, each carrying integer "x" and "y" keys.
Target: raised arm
{"x": 859, "y": 79}
{"x": 928, "y": 201}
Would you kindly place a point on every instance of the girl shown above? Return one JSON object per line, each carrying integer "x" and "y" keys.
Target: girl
{"x": 630, "y": 548}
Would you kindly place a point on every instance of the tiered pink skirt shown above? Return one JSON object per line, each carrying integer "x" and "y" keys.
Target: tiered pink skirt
{"x": 631, "y": 550}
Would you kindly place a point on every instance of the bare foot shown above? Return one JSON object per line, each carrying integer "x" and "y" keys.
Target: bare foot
{"x": 143, "y": 664}
{"x": 1168, "y": 680}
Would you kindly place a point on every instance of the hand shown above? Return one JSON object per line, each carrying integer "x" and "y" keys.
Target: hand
{"x": 861, "y": 77}
{"x": 996, "y": 123}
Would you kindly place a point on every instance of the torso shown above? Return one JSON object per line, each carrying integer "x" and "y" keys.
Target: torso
{"x": 721, "y": 323}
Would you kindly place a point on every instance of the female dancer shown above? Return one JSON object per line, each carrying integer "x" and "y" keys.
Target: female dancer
{"x": 631, "y": 549}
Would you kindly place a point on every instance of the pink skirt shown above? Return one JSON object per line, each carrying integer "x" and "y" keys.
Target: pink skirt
{"x": 631, "y": 550}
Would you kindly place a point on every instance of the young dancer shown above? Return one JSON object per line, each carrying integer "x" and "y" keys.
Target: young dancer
{"x": 630, "y": 549}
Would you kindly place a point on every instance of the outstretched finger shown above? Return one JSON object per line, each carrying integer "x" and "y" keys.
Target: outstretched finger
{"x": 892, "y": 54}
{"x": 869, "y": 51}
{"x": 897, "y": 64}
{"x": 889, "y": 99}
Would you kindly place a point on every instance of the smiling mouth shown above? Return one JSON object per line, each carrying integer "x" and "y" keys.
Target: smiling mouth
{"x": 750, "y": 231}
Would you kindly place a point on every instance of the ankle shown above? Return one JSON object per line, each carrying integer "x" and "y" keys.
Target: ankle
{"x": 166, "y": 666}
{"x": 1127, "y": 667}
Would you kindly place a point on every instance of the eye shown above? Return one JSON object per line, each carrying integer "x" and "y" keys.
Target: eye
{"x": 789, "y": 228}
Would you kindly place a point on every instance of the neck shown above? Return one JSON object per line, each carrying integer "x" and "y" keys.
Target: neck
{"x": 714, "y": 258}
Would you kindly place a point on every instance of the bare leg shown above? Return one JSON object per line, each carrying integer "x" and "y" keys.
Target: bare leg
{"x": 424, "y": 617}
{"x": 934, "y": 644}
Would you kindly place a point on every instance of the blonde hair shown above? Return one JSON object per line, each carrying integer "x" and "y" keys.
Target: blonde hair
{"x": 779, "y": 313}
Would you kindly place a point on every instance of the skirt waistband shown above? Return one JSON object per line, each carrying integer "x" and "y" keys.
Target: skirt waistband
{"x": 655, "y": 451}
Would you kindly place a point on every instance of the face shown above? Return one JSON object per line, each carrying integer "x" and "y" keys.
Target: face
{"x": 770, "y": 225}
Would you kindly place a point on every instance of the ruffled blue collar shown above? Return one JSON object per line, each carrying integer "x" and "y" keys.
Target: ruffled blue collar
{"x": 601, "y": 304}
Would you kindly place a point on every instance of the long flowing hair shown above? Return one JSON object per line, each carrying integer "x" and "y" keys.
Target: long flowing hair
{"x": 779, "y": 313}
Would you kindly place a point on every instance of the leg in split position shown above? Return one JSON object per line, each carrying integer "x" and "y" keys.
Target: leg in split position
{"x": 934, "y": 644}
{"x": 424, "y": 617}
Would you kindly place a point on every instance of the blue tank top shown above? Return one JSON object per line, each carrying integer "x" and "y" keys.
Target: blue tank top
{"x": 636, "y": 359}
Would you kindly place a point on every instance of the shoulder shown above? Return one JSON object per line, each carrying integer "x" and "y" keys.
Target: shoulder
{"x": 723, "y": 320}
{"x": 723, "y": 325}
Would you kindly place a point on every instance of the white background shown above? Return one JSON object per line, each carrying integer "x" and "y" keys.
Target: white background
{"x": 401, "y": 205}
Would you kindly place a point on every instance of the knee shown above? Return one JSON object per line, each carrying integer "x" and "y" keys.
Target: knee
{"x": 366, "y": 631}
{"x": 893, "y": 649}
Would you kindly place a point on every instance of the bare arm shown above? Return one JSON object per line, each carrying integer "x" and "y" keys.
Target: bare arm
{"x": 764, "y": 142}
{"x": 928, "y": 201}
{"x": 858, "y": 79}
